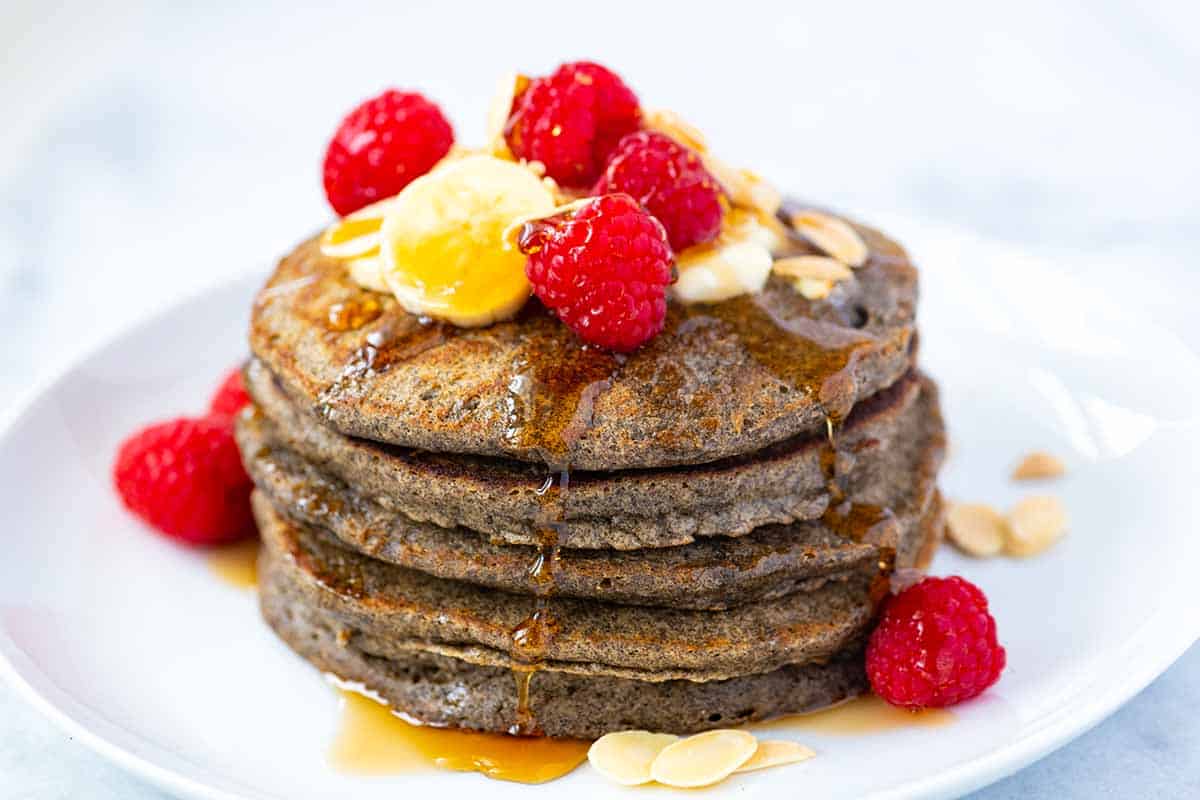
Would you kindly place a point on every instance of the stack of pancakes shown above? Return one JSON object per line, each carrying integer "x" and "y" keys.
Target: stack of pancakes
{"x": 503, "y": 529}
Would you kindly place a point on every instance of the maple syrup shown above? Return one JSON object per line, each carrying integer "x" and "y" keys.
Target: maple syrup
{"x": 396, "y": 337}
{"x": 372, "y": 740}
{"x": 236, "y": 564}
{"x": 862, "y": 716}
{"x": 531, "y": 637}
{"x": 353, "y": 313}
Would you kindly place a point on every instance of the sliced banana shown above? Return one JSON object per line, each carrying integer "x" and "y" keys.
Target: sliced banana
{"x": 443, "y": 248}
{"x": 367, "y": 272}
{"x": 739, "y": 262}
{"x": 356, "y": 234}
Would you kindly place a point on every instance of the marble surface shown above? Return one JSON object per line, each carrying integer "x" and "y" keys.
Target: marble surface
{"x": 150, "y": 150}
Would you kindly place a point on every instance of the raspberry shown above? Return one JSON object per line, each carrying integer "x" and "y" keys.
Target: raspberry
{"x": 231, "y": 396}
{"x": 671, "y": 182}
{"x": 603, "y": 271}
{"x": 935, "y": 645}
{"x": 382, "y": 146}
{"x": 571, "y": 121}
{"x": 185, "y": 477}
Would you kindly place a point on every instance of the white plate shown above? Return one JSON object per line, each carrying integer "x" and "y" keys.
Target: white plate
{"x": 136, "y": 649}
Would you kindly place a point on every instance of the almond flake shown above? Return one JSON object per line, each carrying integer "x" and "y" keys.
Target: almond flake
{"x": 814, "y": 288}
{"x": 832, "y": 236}
{"x": 499, "y": 111}
{"x": 1038, "y": 465}
{"x": 513, "y": 231}
{"x": 776, "y": 753}
{"x": 976, "y": 529}
{"x": 1034, "y": 524}
{"x": 816, "y": 267}
{"x": 625, "y": 757}
{"x": 703, "y": 759}
{"x": 745, "y": 188}
{"x": 675, "y": 126}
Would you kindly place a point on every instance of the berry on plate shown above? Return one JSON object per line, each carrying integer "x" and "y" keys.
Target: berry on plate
{"x": 671, "y": 182}
{"x": 231, "y": 396}
{"x": 935, "y": 645}
{"x": 603, "y": 270}
{"x": 571, "y": 121}
{"x": 382, "y": 146}
{"x": 185, "y": 478}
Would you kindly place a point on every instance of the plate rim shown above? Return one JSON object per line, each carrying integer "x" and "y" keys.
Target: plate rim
{"x": 964, "y": 776}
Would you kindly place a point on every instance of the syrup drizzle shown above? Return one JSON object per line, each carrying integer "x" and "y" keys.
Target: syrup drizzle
{"x": 397, "y": 337}
{"x": 353, "y": 313}
{"x": 373, "y": 740}
{"x": 551, "y": 398}
{"x": 532, "y": 637}
{"x": 861, "y": 716}
{"x": 236, "y": 564}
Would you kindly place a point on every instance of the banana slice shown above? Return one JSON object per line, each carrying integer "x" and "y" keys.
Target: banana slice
{"x": 442, "y": 246}
{"x": 739, "y": 262}
{"x": 356, "y": 235}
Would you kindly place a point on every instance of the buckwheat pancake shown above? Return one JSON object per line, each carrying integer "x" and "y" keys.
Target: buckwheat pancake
{"x": 397, "y": 610}
{"x": 720, "y": 572}
{"x": 445, "y": 691}
{"x": 884, "y": 439}
{"x": 721, "y": 380}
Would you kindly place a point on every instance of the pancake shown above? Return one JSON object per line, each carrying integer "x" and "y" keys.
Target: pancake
{"x": 722, "y": 380}
{"x": 391, "y": 610}
{"x": 881, "y": 441}
{"x": 715, "y": 573}
{"x": 446, "y": 691}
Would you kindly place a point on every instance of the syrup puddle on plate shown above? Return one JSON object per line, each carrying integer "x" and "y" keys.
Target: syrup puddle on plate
{"x": 236, "y": 564}
{"x": 374, "y": 741}
{"x": 861, "y": 716}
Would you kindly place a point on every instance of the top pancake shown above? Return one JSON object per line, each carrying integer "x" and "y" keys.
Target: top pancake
{"x": 723, "y": 379}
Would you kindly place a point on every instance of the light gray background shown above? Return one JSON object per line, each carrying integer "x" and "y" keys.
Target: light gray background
{"x": 148, "y": 150}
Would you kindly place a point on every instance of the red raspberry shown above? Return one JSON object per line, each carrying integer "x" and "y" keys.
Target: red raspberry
{"x": 185, "y": 477}
{"x": 231, "y": 396}
{"x": 671, "y": 182}
{"x": 381, "y": 146}
{"x": 571, "y": 121}
{"x": 935, "y": 645}
{"x": 604, "y": 271}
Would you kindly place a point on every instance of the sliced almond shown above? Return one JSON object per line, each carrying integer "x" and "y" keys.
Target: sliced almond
{"x": 1039, "y": 465}
{"x": 776, "y": 753}
{"x": 513, "y": 231}
{"x": 1034, "y": 524}
{"x": 832, "y": 236}
{"x": 625, "y": 757}
{"x": 976, "y": 529}
{"x": 814, "y": 288}
{"x": 816, "y": 267}
{"x": 499, "y": 111}
{"x": 675, "y": 126}
{"x": 703, "y": 759}
{"x": 713, "y": 274}
{"x": 745, "y": 188}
